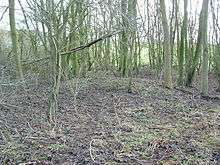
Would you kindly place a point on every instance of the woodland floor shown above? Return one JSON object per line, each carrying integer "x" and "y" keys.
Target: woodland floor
{"x": 104, "y": 124}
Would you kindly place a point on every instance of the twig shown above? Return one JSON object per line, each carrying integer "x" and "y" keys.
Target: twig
{"x": 4, "y": 13}
{"x": 90, "y": 151}
{"x": 9, "y": 105}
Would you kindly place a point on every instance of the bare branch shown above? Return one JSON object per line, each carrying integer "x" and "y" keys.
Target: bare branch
{"x": 73, "y": 50}
{"x": 6, "y": 9}
{"x": 90, "y": 43}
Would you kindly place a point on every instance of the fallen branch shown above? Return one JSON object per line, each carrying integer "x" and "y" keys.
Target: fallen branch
{"x": 90, "y": 43}
{"x": 208, "y": 97}
{"x": 184, "y": 90}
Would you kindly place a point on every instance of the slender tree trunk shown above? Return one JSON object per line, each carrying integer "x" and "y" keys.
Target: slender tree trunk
{"x": 205, "y": 59}
{"x": 200, "y": 42}
{"x": 217, "y": 59}
{"x": 132, "y": 14}
{"x": 216, "y": 44}
{"x": 14, "y": 39}
{"x": 55, "y": 36}
{"x": 53, "y": 106}
{"x": 167, "y": 82}
{"x": 124, "y": 38}
{"x": 183, "y": 45}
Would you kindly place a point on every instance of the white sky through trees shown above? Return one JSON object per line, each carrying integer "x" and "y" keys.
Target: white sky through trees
{"x": 194, "y": 7}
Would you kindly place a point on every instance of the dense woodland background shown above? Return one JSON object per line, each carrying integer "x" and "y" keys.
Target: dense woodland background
{"x": 64, "y": 51}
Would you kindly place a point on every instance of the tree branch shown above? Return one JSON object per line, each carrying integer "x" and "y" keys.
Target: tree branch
{"x": 4, "y": 13}
{"x": 73, "y": 50}
{"x": 90, "y": 43}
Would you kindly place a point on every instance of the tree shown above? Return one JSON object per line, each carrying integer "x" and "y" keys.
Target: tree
{"x": 205, "y": 55}
{"x": 167, "y": 82}
{"x": 183, "y": 53}
{"x": 216, "y": 42}
{"x": 201, "y": 41}
{"x": 124, "y": 38}
{"x": 14, "y": 39}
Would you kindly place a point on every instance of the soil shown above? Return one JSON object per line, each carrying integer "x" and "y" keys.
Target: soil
{"x": 100, "y": 122}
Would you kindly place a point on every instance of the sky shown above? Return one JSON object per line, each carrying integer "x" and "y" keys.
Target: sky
{"x": 195, "y": 5}
{"x": 4, "y": 24}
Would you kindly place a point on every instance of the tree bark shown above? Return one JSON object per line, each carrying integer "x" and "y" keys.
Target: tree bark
{"x": 183, "y": 45}
{"x": 124, "y": 38}
{"x": 167, "y": 82}
{"x": 14, "y": 39}
{"x": 205, "y": 56}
